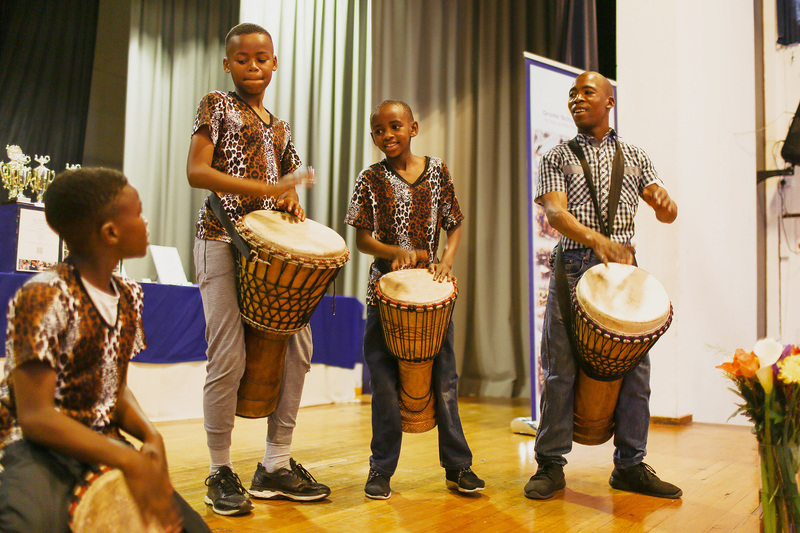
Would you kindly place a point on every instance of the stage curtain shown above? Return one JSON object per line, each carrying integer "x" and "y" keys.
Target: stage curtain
{"x": 46, "y": 55}
{"x": 174, "y": 58}
{"x": 460, "y": 66}
{"x": 321, "y": 88}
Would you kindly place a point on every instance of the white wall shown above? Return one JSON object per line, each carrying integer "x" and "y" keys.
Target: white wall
{"x": 781, "y": 95}
{"x": 686, "y": 96}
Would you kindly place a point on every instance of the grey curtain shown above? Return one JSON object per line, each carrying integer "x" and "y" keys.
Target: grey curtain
{"x": 174, "y": 58}
{"x": 459, "y": 64}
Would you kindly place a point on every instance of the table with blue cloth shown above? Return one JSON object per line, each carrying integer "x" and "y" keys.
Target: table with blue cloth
{"x": 175, "y": 325}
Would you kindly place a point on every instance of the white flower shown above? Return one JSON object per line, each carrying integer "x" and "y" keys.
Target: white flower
{"x": 768, "y": 351}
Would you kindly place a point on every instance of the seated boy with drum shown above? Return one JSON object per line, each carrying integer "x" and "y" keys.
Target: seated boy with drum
{"x": 588, "y": 237}
{"x": 398, "y": 208}
{"x": 65, "y": 400}
{"x": 244, "y": 154}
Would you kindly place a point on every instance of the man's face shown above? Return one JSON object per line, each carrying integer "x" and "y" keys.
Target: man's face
{"x": 590, "y": 101}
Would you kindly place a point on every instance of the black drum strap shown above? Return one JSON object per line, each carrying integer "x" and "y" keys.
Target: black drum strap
{"x": 563, "y": 292}
{"x": 617, "y": 171}
{"x": 225, "y": 220}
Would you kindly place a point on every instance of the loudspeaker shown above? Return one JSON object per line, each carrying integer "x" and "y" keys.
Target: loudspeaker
{"x": 791, "y": 146}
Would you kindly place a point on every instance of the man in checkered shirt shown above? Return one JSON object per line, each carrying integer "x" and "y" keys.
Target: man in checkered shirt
{"x": 564, "y": 194}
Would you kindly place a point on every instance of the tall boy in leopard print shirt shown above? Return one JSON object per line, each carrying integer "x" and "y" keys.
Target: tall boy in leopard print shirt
{"x": 246, "y": 155}
{"x": 399, "y": 207}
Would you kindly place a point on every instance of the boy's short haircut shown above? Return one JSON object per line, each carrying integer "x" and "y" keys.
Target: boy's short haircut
{"x": 245, "y": 28}
{"x": 79, "y": 201}
{"x": 405, "y": 106}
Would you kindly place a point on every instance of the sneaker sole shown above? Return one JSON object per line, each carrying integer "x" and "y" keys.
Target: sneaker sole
{"x": 278, "y": 495}
{"x": 378, "y": 496}
{"x": 452, "y": 485}
{"x": 621, "y": 485}
{"x": 228, "y": 512}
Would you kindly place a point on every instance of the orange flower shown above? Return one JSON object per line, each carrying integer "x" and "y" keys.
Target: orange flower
{"x": 748, "y": 362}
{"x": 744, "y": 364}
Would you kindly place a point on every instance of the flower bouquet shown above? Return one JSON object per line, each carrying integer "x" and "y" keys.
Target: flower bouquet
{"x": 768, "y": 380}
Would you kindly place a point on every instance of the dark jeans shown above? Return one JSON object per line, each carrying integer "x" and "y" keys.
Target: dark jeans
{"x": 36, "y": 487}
{"x": 454, "y": 453}
{"x": 632, "y": 413}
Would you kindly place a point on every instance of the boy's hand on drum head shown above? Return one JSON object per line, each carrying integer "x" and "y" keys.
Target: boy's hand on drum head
{"x": 408, "y": 258}
{"x": 441, "y": 272}
{"x": 291, "y": 205}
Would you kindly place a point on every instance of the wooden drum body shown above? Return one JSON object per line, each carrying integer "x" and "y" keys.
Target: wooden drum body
{"x": 279, "y": 288}
{"x": 415, "y": 314}
{"x": 619, "y": 312}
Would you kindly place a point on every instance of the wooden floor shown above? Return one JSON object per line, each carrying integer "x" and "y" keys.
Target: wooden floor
{"x": 715, "y": 465}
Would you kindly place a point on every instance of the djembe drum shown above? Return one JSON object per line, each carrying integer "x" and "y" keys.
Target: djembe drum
{"x": 279, "y": 288}
{"x": 619, "y": 312}
{"x": 102, "y": 502}
{"x": 415, "y": 313}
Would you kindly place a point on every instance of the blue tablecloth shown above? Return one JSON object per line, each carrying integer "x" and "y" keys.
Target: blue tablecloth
{"x": 174, "y": 324}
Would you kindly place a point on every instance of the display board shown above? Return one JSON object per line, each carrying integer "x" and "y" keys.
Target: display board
{"x": 549, "y": 123}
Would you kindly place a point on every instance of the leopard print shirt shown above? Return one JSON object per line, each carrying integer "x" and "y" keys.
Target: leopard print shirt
{"x": 52, "y": 319}
{"x": 402, "y": 214}
{"x": 244, "y": 147}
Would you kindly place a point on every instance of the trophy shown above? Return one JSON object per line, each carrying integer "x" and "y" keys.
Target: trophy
{"x": 15, "y": 174}
{"x": 42, "y": 176}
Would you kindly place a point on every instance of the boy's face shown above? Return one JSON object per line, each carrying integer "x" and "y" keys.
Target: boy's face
{"x": 250, "y": 60}
{"x": 129, "y": 223}
{"x": 392, "y": 130}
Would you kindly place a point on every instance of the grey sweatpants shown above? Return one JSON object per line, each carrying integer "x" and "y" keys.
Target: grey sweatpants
{"x": 216, "y": 275}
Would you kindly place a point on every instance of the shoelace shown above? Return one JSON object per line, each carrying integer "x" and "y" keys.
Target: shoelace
{"x": 373, "y": 474}
{"x": 463, "y": 472}
{"x": 229, "y": 481}
{"x": 298, "y": 469}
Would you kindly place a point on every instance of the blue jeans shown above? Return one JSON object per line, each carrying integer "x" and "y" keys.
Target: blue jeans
{"x": 454, "y": 453}
{"x": 632, "y": 414}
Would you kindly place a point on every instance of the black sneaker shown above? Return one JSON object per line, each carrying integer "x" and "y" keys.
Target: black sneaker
{"x": 226, "y": 495}
{"x": 463, "y": 480}
{"x": 295, "y": 484}
{"x": 377, "y": 486}
{"x": 643, "y": 479}
{"x": 549, "y": 478}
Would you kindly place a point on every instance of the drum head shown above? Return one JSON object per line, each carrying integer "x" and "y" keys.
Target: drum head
{"x": 623, "y": 299}
{"x": 414, "y": 286}
{"x": 288, "y": 234}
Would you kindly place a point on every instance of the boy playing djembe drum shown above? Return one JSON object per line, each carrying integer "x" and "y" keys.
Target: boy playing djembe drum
{"x": 399, "y": 207}
{"x": 244, "y": 153}
{"x": 71, "y": 333}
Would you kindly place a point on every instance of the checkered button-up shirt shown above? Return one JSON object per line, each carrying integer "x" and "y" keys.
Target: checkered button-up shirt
{"x": 560, "y": 170}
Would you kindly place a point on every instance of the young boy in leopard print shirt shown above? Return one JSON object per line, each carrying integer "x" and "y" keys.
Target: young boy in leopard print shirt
{"x": 71, "y": 332}
{"x": 399, "y": 207}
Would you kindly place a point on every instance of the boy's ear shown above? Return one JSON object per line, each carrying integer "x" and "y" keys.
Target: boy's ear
{"x": 109, "y": 234}
{"x": 414, "y": 129}
{"x": 225, "y": 65}
{"x": 274, "y": 63}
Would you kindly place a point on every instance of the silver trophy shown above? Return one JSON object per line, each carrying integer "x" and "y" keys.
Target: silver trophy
{"x": 42, "y": 177}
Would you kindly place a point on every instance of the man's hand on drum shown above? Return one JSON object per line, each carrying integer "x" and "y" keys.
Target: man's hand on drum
{"x": 441, "y": 271}
{"x": 609, "y": 251}
{"x": 151, "y": 489}
{"x": 408, "y": 258}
